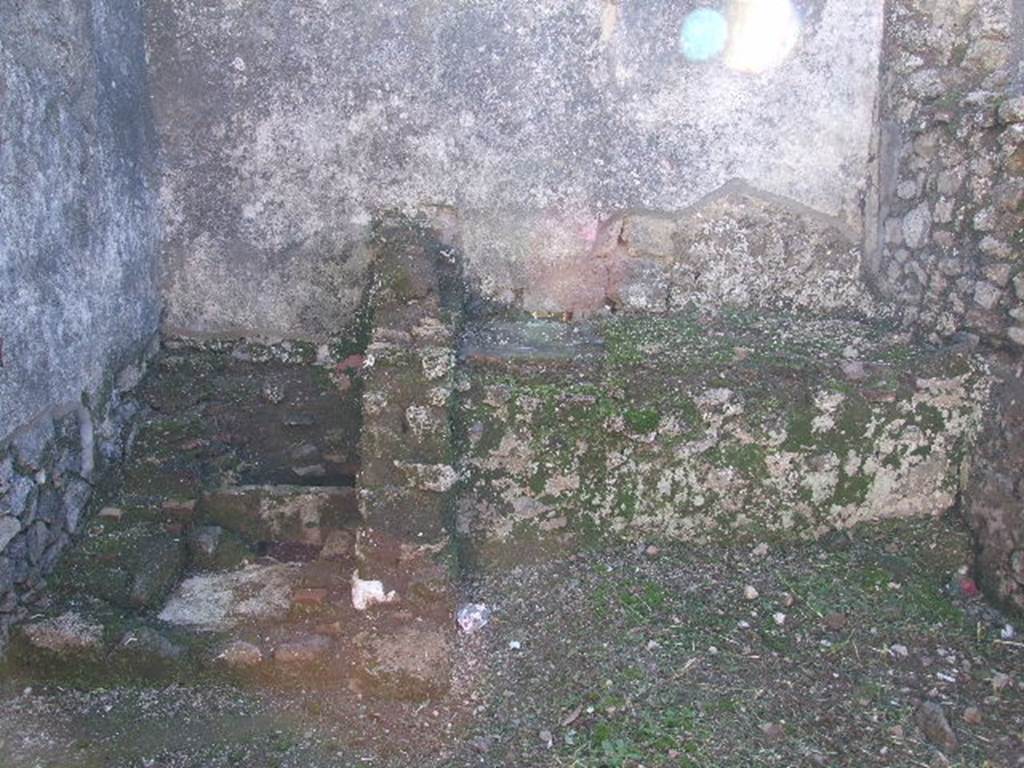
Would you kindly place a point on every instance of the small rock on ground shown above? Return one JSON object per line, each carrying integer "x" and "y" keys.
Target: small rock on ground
{"x": 302, "y": 651}
{"x": 240, "y": 655}
{"x": 931, "y": 719}
{"x": 66, "y": 633}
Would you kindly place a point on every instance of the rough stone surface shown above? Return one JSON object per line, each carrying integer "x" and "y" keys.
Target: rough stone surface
{"x": 221, "y": 600}
{"x": 67, "y": 633}
{"x": 931, "y": 719}
{"x": 304, "y": 650}
{"x": 211, "y": 548}
{"x": 405, "y": 446}
{"x": 278, "y": 513}
{"x": 554, "y": 114}
{"x": 412, "y": 663}
{"x": 240, "y": 654}
{"x": 995, "y": 496}
{"x": 738, "y": 248}
{"x": 950, "y": 169}
{"x": 78, "y": 288}
{"x": 131, "y": 566}
{"x": 689, "y": 430}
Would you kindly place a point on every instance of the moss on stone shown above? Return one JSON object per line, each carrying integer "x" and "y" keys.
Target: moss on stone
{"x": 642, "y": 420}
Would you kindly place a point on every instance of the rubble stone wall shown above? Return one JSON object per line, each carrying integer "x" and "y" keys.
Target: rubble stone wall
{"x": 758, "y": 426}
{"x": 947, "y": 246}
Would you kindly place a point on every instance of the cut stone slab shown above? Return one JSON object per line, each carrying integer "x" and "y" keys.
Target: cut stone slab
{"x": 411, "y": 663}
{"x": 280, "y": 512}
{"x": 220, "y": 601}
{"x": 67, "y": 634}
{"x": 538, "y": 342}
{"x": 134, "y": 566}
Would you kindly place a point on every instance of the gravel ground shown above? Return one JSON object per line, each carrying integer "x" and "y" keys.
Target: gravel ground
{"x": 808, "y": 654}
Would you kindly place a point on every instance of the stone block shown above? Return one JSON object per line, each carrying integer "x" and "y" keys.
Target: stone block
{"x": 279, "y": 513}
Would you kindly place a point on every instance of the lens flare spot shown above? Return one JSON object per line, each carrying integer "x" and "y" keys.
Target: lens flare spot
{"x": 703, "y": 35}
{"x": 762, "y": 33}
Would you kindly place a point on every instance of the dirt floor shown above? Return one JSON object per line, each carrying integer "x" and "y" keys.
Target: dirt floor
{"x": 627, "y": 656}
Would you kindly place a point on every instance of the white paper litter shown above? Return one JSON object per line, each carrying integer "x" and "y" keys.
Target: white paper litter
{"x": 473, "y": 616}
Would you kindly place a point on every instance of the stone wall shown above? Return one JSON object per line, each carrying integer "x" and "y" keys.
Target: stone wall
{"x": 285, "y": 126}
{"x": 948, "y": 240}
{"x": 995, "y": 497}
{"x": 947, "y": 246}
{"x": 78, "y": 290}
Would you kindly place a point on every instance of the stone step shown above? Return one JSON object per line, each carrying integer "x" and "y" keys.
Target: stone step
{"x": 263, "y": 624}
{"x": 281, "y": 513}
{"x": 536, "y": 342}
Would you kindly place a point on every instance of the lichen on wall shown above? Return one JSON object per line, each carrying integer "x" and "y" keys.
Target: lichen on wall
{"x": 692, "y": 429}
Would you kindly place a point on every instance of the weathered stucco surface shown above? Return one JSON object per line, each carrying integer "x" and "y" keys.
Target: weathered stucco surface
{"x": 78, "y": 287}
{"x": 283, "y": 125}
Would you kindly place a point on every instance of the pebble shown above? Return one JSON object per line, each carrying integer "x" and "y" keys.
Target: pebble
{"x": 836, "y": 621}
{"x": 652, "y": 551}
{"x": 931, "y": 719}
{"x": 1000, "y": 681}
{"x": 750, "y": 593}
{"x": 899, "y": 651}
{"x": 240, "y": 654}
{"x": 761, "y": 550}
{"x": 547, "y": 739}
{"x": 779, "y": 618}
{"x": 113, "y": 513}
{"x": 972, "y": 716}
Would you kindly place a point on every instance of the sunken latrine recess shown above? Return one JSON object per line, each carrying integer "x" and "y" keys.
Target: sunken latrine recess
{"x": 577, "y": 165}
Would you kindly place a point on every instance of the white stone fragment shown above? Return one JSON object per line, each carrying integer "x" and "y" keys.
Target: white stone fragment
{"x": 369, "y": 592}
